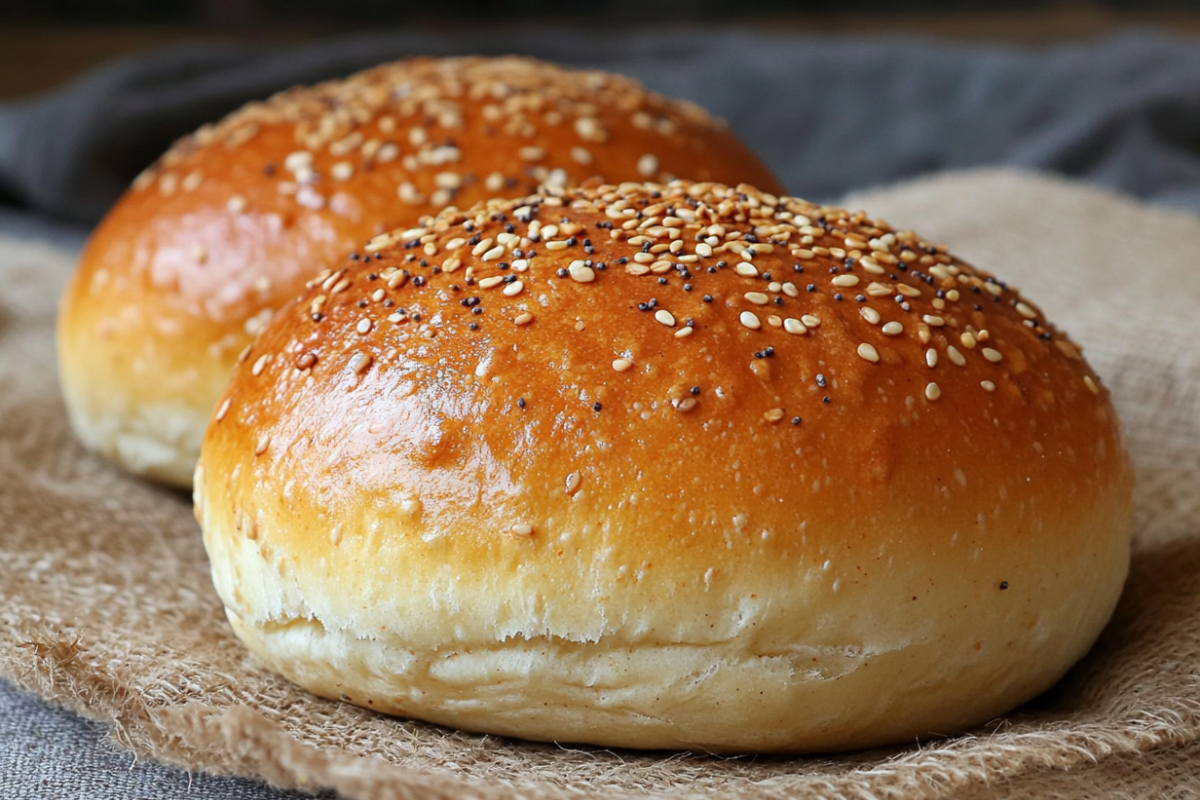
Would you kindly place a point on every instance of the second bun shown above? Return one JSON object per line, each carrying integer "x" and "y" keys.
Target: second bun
{"x": 225, "y": 227}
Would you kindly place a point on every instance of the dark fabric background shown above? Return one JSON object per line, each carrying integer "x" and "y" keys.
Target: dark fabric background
{"x": 828, "y": 115}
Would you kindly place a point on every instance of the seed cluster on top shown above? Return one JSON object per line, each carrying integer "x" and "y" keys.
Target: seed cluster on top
{"x": 780, "y": 255}
{"x": 409, "y": 117}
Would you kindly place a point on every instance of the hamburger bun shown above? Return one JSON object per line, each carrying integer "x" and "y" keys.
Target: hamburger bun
{"x": 228, "y": 224}
{"x": 677, "y": 466}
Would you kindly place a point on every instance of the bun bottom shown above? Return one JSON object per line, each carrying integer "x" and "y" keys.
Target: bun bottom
{"x": 716, "y": 698}
{"x": 160, "y": 443}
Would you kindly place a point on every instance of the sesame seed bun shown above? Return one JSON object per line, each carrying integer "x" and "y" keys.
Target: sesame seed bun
{"x": 228, "y": 224}
{"x": 675, "y": 466}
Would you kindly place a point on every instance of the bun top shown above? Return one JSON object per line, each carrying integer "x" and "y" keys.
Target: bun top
{"x": 678, "y": 396}
{"x": 227, "y": 225}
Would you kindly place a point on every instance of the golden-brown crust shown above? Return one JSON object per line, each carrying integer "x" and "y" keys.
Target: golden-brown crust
{"x": 770, "y": 462}
{"x": 224, "y": 228}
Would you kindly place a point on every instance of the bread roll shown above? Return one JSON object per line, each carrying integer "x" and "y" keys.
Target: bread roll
{"x": 229, "y": 223}
{"x": 676, "y": 466}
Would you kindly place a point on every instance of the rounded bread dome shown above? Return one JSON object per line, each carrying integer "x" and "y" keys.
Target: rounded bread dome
{"x": 667, "y": 466}
{"x": 228, "y": 224}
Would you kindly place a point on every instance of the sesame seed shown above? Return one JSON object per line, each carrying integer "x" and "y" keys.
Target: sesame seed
{"x": 932, "y": 391}
{"x": 558, "y": 245}
{"x": 513, "y": 289}
{"x": 746, "y": 269}
{"x": 387, "y": 153}
{"x": 448, "y": 180}
{"x": 1025, "y": 311}
{"x": 870, "y": 315}
{"x": 524, "y": 319}
{"x": 684, "y": 404}
{"x": 810, "y": 321}
{"x": 622, "y": 364}
{"x": 531, "y": 153}
{"x": 845, "y": 280}
{"x": 359, "y": 363}
{"x": 298, "y": 160}
{"x": 494, "y": 182}
{"x": 1091, "y": 384}
{"x": 647, "y": 165}
{"x": 794, "y": 326}
{"x": 934, "y": 321}
{"x": 790, "y": 289}
{"x": 703, "y": 250}
{"x": 408, "y": 193}
{"x": 491, "y": 281}
{"x": 581, "y": 272}
{"x": 522, "y": 529}
{"x": 988, "y": 386}
{"x": 397, "y": 318}
{"x": 892, "y": 328}
{"x": 263, "y": 441}
{"x": 493, "y": 254}
{"x": 571, "y": 485}
{"x": 580, "y": 155}
{"x": 589, "y": 129}
{"x": 991, "y": 354}
{"x": 773, "y": 415}
{"x": 758, "y": 298}
{"x": 868, "y": 352}
{"x": 955, "y": 356}
{"x": 260, "y": 365}
{"x": 236, "y": 204}
{"x": 224, "y": 409}
{"x": 908, "y": 291}
{"x": 931, "y": 358}
{"x": 340, "y": 286}
{"x": 968, "y": 340}
{"x": 364, "y": 326}
{"x": 750, "y": 320}
{"x": 664, "y": 317}
{"x": 684, "y": 332}
{"x": 342, "y": 171}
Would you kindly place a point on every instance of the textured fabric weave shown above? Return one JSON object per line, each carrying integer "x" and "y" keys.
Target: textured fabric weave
{"x": 106, "y": 606}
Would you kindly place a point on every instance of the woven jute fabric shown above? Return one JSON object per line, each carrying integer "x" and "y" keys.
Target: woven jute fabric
{"x": 106, "y": 605}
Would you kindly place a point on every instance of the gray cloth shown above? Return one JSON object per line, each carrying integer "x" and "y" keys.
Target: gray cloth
{"x": 51, "y": 753}
{"x": 828, "y": 115}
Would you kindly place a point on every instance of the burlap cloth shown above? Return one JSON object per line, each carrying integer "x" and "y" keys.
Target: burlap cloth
{"x": 106, "y": 606}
